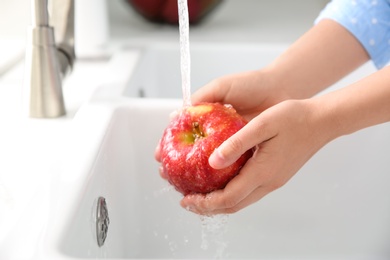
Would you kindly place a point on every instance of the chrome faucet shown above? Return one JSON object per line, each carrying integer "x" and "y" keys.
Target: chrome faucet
{"x": 50, "y": 55}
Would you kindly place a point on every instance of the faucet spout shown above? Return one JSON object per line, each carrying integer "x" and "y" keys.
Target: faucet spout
{"x": 47, "y": 60}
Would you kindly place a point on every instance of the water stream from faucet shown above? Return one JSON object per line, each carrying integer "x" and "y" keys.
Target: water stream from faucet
{"x": 185, "y": 59}
{"x": 213, "y": 227}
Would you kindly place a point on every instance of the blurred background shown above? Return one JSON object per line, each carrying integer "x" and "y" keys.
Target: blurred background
{"x": 276, "y": 21}
{"x": 263, "y": 16}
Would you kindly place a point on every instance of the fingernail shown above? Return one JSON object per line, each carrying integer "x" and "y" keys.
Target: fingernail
{"x": 187, "y": 205}
{"x": 216, "y": 160}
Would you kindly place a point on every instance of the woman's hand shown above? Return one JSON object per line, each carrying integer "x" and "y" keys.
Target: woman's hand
{"x": 284, "y": 126}
{"x": 285, "y": 136}
{"x": 249, "y": 93}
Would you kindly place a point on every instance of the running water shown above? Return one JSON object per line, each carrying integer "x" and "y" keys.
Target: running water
{"x": 214, "y": 229}
{"x": 185, "y": 59}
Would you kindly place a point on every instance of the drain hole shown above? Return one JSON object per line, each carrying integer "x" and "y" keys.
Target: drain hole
{"x": 141, "y": 93}
{"x": 102, "y": 221}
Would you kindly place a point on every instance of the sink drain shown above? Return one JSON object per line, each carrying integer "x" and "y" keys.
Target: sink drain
{"x": 102, "y": 221}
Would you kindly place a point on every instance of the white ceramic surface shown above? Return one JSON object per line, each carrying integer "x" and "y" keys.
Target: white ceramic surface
{"x": 336, "y": 207}
{"x": 158, "y": 72}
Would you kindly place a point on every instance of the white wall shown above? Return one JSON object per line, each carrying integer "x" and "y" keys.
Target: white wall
{"x": 14, "y": 18}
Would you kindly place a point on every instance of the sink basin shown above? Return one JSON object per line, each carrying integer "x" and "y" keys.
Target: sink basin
{"x": 336, "y": 207}
{"x": 157, "y": 74}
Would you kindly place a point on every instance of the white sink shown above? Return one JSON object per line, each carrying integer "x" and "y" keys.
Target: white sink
{"x": 336, "y": 207}
{"x": 158, "y": 72}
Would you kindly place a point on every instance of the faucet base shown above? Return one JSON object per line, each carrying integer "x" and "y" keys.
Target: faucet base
{"x": 42, "y": 80}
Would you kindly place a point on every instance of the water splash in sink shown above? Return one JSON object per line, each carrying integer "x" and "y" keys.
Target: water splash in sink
{"x": 214, "y": 229}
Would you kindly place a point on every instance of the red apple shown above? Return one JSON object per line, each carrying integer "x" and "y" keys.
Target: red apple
{"x": 150, "y": 9}
{"x": 171, "y": 15}
{"x": 166, "y": 10}
{"x": 188, "y": 142}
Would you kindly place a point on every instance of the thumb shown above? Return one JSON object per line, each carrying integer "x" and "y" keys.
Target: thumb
{"x": 252, "y": 134}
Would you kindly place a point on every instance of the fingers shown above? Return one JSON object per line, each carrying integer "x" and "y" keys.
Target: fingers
{"x": 246, "y": 188}
{"x": 162, "y": 173}
{"x": 245, "y": 91}
{"x": 157, "y": 156}
{"x": 253, "y": 181}
{"x": 157, "y": 152}
{"x": 214, "y": 91}
{"x": 223, "y": 89}
{"x": 174, "y": 114}
{"x": 192, "y": 202}
{"x": 255, "y": 132}
{"x": 286, "y": 141}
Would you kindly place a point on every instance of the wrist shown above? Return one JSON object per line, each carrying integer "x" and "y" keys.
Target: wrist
{"x": 324, "y": 119}
{"x": 276, "y": 85}
{"x": 360, "y": 105}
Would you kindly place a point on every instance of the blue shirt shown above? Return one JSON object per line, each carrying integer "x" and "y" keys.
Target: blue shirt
{"x": 368, "y": 21}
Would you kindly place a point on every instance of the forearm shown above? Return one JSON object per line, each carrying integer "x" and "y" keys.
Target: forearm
{"x": 360, "y": 105}
{"x": 322, "y": 56}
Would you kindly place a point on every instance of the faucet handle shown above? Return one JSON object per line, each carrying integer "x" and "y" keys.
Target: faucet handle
{"x": 62, "y": 19}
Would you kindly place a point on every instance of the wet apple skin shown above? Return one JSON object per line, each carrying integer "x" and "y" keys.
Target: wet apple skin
{"x": 188, "y": 142}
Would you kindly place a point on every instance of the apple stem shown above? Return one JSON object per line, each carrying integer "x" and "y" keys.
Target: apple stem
{"x": 196, "y": 131}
